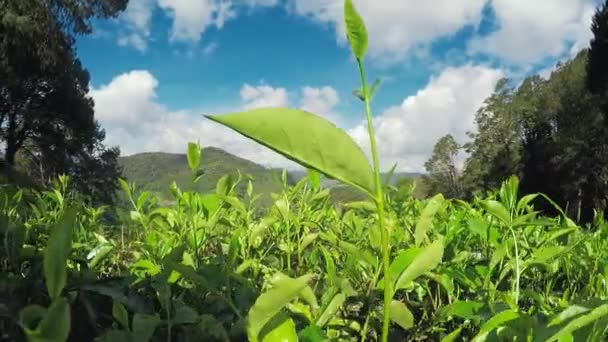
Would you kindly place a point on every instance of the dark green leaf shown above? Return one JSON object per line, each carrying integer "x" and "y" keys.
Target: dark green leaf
{"x": 56, "y": 254}
{"x": 144, "y": 326}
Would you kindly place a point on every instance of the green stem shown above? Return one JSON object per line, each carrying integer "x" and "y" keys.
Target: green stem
{"x": 516, "y": 266}
{"x": 380, "y": 207}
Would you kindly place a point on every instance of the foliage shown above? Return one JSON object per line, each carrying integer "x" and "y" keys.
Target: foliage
{"x": 443, "y": 175}
{"x": 549, "y": 132}
{"x": 46, "y": 116}
{"x": 207, "y": 267}
{"x": 210, "y": 267}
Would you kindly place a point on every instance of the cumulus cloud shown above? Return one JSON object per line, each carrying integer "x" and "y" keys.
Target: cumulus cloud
{"x": 407, "y": 133}
{"x": 263, "y": 96}
{"x": 321, "y": 101}
{"x": 192, "y": 17}
{"x": 135, "y": 120}
{"x": 128, "y": 100}
{"x": 530, "y": 31}
{"x": 137, "y": 18}
{"x": 397, "y": 27}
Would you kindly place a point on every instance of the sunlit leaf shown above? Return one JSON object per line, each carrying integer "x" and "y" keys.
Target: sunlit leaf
{"x": 194, "y": 156}
{"x": 304, "y": 137}
{"x": 401, "y": 315}
{"x": 426, "y": 218}
{"x": 355, "y": 30}
{"x": 495, "y": 322}
{"x": 425, "y": 261}
{"x": 272, "y": 301}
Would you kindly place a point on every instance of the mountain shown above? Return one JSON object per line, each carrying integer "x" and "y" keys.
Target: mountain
{"x": 155, "y": 171}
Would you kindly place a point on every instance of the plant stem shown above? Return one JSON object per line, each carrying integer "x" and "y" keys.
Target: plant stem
{"x": 380, "y": 207}
{"x": 516, "y": 266}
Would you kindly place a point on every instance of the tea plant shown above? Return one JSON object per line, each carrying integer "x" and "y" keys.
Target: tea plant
{"x": 216, "y": 267}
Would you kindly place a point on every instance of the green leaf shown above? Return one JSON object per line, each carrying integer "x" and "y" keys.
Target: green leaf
{"x": 272, "y": 301}
{"x": 194, "y": 156}
{"x": 330, "y": 310}
{"x": 401, "y": 315}
{"x": 372, "y": 92}
{"x": 185, "y": 315}
{"x": 144, "y": 326}
{"x": 30, "y": 316}
{"x": 355, "y": 30}
{"x": 451, "y": 337}
{"x": 14, "y": 237}
{"x": 284, "y": 331}
{"x": 400, "y": 263}
{"x": 497, "y": 210}
{"x": 120, "y": 314}
{"x": 462, "y": 309}
{"x": 57, "y": 252}
{"x": 125, "y": 186}
{"x": 426, "y": 218}
{"x": 312, "y": 333}
{"x": 495, "y": 322}
{"x": 98, "y": 254}
{"x": 425, "y": 261}
{"x": 304, "y": 138}
{"x": 579, "y": 322}
{"x": 55, "y": 326}
{"x": 307, "y": 240}
{"x": 315, "y": 179}
{"x": 115, "y": 336}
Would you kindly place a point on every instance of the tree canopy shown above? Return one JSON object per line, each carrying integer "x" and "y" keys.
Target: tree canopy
{"x": 46, "y": 116}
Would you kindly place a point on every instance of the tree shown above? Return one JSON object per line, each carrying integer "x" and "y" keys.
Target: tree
{"x": 443, "y": 176}
{"x": 565, "y": 145}
{"x": 46, "y": 114}
{"x": 495, "y": 149}
{"x": 597, "y": 65}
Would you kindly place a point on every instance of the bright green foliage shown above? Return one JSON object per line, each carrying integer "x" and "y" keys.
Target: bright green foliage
{"x": 57, "y": 252}
{"x": 213, "y": 266}
{"x": 281, "y": 129}
{"x": 270, "y": 303}
{"x": 309, "y": 269}
{"x": 355, "y": 30}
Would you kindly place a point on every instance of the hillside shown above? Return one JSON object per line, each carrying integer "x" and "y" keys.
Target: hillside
{"x": 155, "y": 171}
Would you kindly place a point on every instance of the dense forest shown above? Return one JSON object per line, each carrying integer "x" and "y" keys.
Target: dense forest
{"x": 510, "y": 245}
{"x": 551, "y": 133}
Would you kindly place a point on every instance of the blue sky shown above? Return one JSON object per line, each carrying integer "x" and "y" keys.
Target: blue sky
{"x": 163, "y": 63}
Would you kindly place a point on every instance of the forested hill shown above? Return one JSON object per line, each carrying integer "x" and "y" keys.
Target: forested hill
{"x": 155, "y": 171}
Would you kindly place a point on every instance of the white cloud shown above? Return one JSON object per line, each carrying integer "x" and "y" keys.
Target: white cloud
{"x": 263, "y": 96}
{"x": 135, "y": 119}
{"x": 210, "y": 48}
{"x": 137, "y": 18}
{"x": 128, "y": 100}
{"x": 134, "y": 40}
{"x": 397, "y": 27}
{"x": 262, "y": 3}
{"x": 530, "y": 31}
{"x": 407, "y": 133}
{"x": 321, "y": 101}
{"x": 192, "y": 17}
